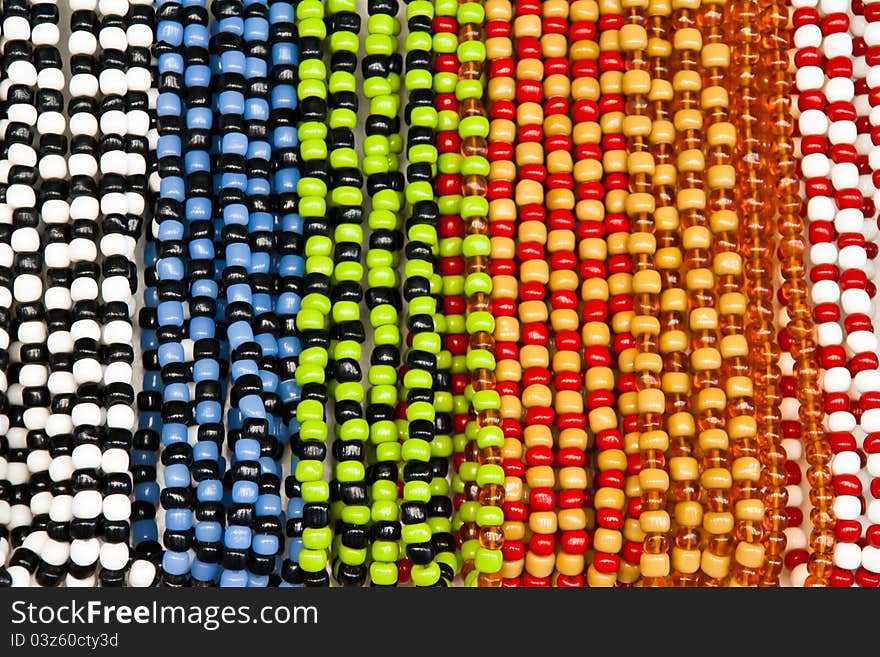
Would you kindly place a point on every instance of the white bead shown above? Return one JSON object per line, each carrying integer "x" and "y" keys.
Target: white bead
{"x": 871, "y": 420}
{"x": 62, "y": 508}
{"x": 38, "y": 460}
{"x": 120, "y": 416}
{"x": 837, "y": 379}
{"x": 114, "y": 162}
{"x": 55, "y": 552}
{"x": 114, "y": 460}
{"x": 51, "y": 123}
{"x": 871, "y": 559}
{"x": 114, "y": 122}
{"x": 20, "y": 577}
{"x": 139, "y": 35}
{"x": 86, "y": 456}
{"x": 829, "y": 333}
{"x": 22, "y": 72}
{"x": 82, "y": 164}
{"x": 62, "y": 383}
{"x": 837, "y": 89}
{"x": 833, "y": 6}
{"x": 117, "y": 331}
{"x": 820, "y": 208}
{"x": 22, "y": 155}
{"x": 793, "y": 448}
{"x": 837, "y": 44}
{"x": 867, "y": 380}
{"x": 61, "y": 468}
{"x": 844, "y": 175}
{"x": 808, "y": 36}
{"x": 85, "y": 551}
{"x": 87, "y": 370}
{"x": 816, "y": 165}
{"x": 842, "y": 132}
{"x": 114, "y": 203}
{"x": 862, "y": 341}
{"x": 846, "y": 462}
{"x": 118, "y": 372}
{"x": 114, "y": 556}
{"x": 33, "y": 375}
{"x": 855, "y": 300}
{"x": 112, "y": 38}
{"x": 83, "y": 289}
{"x": 20, "y": 196}
{"x": 35, "y": 541}
{"x": 35, "y": 417}
{"x": 117, "y": 507}
{"x": 853, "y": 257}
{"x": 56, "y": 255}
{"x": 138, "y": 79}
{"x": 19, "y": 515}
{"x": 60, "y": 341}
{"x": 87, "y": 504}
{"x": 27, "y": 288}
{"x": 112, "y": 81}
{"x": 84, "y": 207}
{"x": 85, "y": 328}
{"x": 41, "y": 502}
{"x": 116, "y": 244}
{"x": 841, "y": 421}
{"x": 53, "y": 166}
{"x": 20, "y": 113}
{"x": 82, "y": 43}
{"x": 813, "y": 122}
{"x": 849, "y": 220}
{"x": 90, "y": 5}
{"x": 86, "y": 414}
{"x": 56, "y": 211}
{"x": 45, "y": 34}
{"x": 16, "y": 28}
{"x": 141, "y": 574}
{"x": 137, "y": 165}
{"x": 872, "y": 38}
{"x": 795, "y": 495}
{"x": 25, "y": 239}
{"x": 847, "y": 507}
{"x": 826, "y": 292}
{"x": 797, "y": 539}
{"x": 847, "y": 556}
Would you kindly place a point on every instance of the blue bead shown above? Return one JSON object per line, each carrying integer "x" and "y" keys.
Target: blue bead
{"x": 256, "y": 29}
{"x": 261, "y": 263}
{"x": 201, "y": 249}
{"x": 243, "y": 367}
{"x": 234, "y": 579}
{"x": 176, "y": 475}
{"x": 168, "y": 146}
{"x": 281, "y": 12}
{"x": 234, "y": 181}
{"x": 210, "y": 490}
{"x": 238, "y": 333}
{"x": 257, "y": 581}
{"x": 197, "y": 75}
{"x": 295, "y": 507}
{"x": 292, "y": 223}
{"x": 148, "y": 340}
{"x": 292, "y": 265}
{"x": 196, "y": 161}
{"x": 178, "y": 519}
{"x": 199, "y": 118}
{"x": 204, "y": 572}
{"x": 170, "y": 230}
{"x": 201, "y": 328}
{"x": 232, "y": 61}
{"x": 148, "y": 491}
{"x": 252, "y": 406}
{"x": 143, "y": 457}
{"x": 288, "y": 391}
{"x": 270, "y": 381}
{"x": 267, "y": 343}
{"x": 258, "y": 187}
{"x": 286, "y": 181}
{"x": 237, "y": 537}
{"x": 195, "y": 36}
{"x": 260, "y": 150}
{"x": 172, "y": 187}
{"x": 284, "y": 54}
{"x": 209, "y": 532}
{"x": 175, "y": 563}
{"x": 231, "y": 102}
{"x": 170, "y": 269}
{"x": 169, "y": 32}
{"x": 247, "y": 449}
{"x": 285, "y": 137}
{"x": 233, "y": 25}
{"x": 235, "y": 213}
{"x": 170, "y": 352}
{"x": 206, "y": 369}
{"x": 256, "y": 109}
{"x": 170, "y": 313}
{"x": 238, "y": 254}
{"x": 265, "y": 544}
{"x": 294, "y": 547}
{"x": 173, "y": 432}
{"x": 198, "y": 208}
{"x": 268, "y": 505}
{"x": 205, "y": 450}
{"x": 170, "y": 62}
{"x": 152, "y": 381}
{"x": 234, "y": 143}
{"x": 208, "y": 412}
{"x": 238, "y": 292}
{"x": 144, "y": 530}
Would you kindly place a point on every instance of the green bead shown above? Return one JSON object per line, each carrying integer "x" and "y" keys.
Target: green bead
{"x": 420, "y": 410}
{"x": 417, "y": 491}
{"x": 383, "y": 24}
{"x": 447, "y": 120}
{"x": 309, "y": 409}
{"x": 475, "y": 165}
{"x": 469, "y": 548}
{"x": 342, "y": 81}
{"x": 423, "y": 306}
{"x": 452, "y": 286}
{"x": 311, "y": 187}
{"x": 476, "y": 245}
{"x": 440, "y": 525}
{"x": 446, "y": 7}
{"x": 478, "y": 359}
{"x": 450, "y": 204}
{"x": 342, "y": 158}
{"x": 414, "y": 268}
{"x": 349, "y": 271}
{"x": 387, "y": 335}
{"x": 471, "y": 429}
{"x": 336, "y": 6}
{"x": 312, "y": 561}
{"x": 374, "y": 164}
{"x": 439, "y": 485}
{"x": 458, "y": 363}
{"x": 422, "y": 153}
{"x": 423, "y": 233}
{"x": 421, "y": 190}
{"x": 349, "y": 391}
{"x": 313, "y": 149}
{"x": 490, "y": 436}
{"x": 319, "y": 265}
{"x": 476, "y": 283}
{"x": 386, "y": 199}
{"x": 315, "y": 491}
{"x": 381, "y": 277}
{"x": 490, "y": 474}
{"x": 416, "y": 450}
{"x": 384, "y": 314}
{"x": 450, "y": 247}
{"x": 444, "y": 361}
{"x": 309, "y": 470}
{"x": 396, "y": 144}
{"x": 427, "y": 341}
{"x": 309, "y": 88}
{"x": 374, "y": 87}
{"x": 488, "y": 561}
{"x": 378, "y": 258}
{"x": 312, "y": 27}
{"x": 344, "y": 41}
{"x": 468, "y": 511}
{"x": 436, "y": 283}
{"x": 317, "y": 302}
{"x": 457, "y": 484}
{"x": 424, "y": 117}
{"x": 379, "y": 44}
{"x": 347, "y": 349}
{"x": 383, "y": 432}
{"x": 356, "y": 514}
{"x": 443, "y": 399}
{"x": 352, "y": 556}
{"x": 342, "y": 118}
{"x": 348, "y": 471}
{"x": 384, "y": 510}
{"x": 347, "y": 196}
{"x": 319, "y": 245}
{"x": 383, "y": 395}
{"x": 471, "y": 581}
{"x": 418, "y": 79}
{"x": 486, "y": 400}
{"x": 474, "y": 206}
{"x": 317, "y": 538}
{"x": 389, "y": 451}
{"x": 313, "y": 430}
{"x": 468, "y": 89}
{"x": 417, "y": 379}
{"x": 471, "y": 51}
{"x": 480, "y": 321}
{"x": 306, "y": 374}
{"x": 418, "y": 41}
{"x": 470, "y": 12}
{"x": 387, "y": 551}
{"x": 420, "y": 8}
{"x": 383, "y": 574}
{"x": 382, "y": 375}
{"x": 449, "y": 163}
{"x": 379, "y": 219}
{"x": 345, "y": 311}
{"x": 314, "y": 356}
{"x": 489, "y": 516}
{"x": 313, "y": 130}
{"x": 449, "y": 559}
{"x": 309, "y": 319}
{"x": 416, "y": 533}
{"x": 376, "y": 145}
{"x": 310, "y": 9}
{"x": 425, "y": 574}
{"x": 445, "y": 83}
{"x": 354, "y": 429}
{"x": 468, "y": 470}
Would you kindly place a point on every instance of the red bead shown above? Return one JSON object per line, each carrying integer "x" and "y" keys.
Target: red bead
{"x": 597, "y": 356}
{"x": 503, "y": 109}
{"x": 599, "y": 399}
{"x": 507, "y": 388}
{"x": 538, "y": 415}
{"x": 864, "y": 361}
{"x": 836, "y": 22}
{"x": 866, "y": 579}
{"x": 574, "y": 541}
{"x": 567, "y": 381}
{"x": 515, "y": 511}
{"x": 535, "y": 172}
{"x": 836, "y": 401}
{"x": 795, "y": 516}
{"x": 568, "y": 341}
{"x": 542, "y": 544}
{"x": 840, "y": 578}
{"x": 557, "y": 104}
{"x": 832, "y": 356}
{"x": 853, "y": 279}
{"x": 591, "y": 269}
{"x": 571, "y": 421}
{"x": 826, "y": 312}
{"x": 609, "y": 518}
{"x": 606, "y": 563}
{"x": 404, "y": 568}
{"x": 513, "y": 467}
{"x": 532, "y": 291}
{"x": 563, "y": 260}
{"x": 610, "y": 479}
{"x": 570, "y": 582}
{"x": 792, "y": 473}
{"x": 535, "y": 333}
{"x": 824, "y": 272}
{"x": 530, "y": 581}
{"x": 874, "y": 487}
{"x": 804, "y": 16}
{"x": 821, "y": 231}
{"x": 585, "y": 111}
{"x": 536, "y": 375}
{"x": 570, "y": 499}
{"x": 809, "y": 56}
{"x": 609, "y": 439}
{"x": 560, "y": 220}
{"x": 498, "y": 28}
{"x": 511, "y": 428}
{"x": 795, "y": 558}
{"x": 848, "y": 198}
{"x": 634, "y": 464}
{"x": 632, "y": 551}
{"x": 513, "y": 550}
{"x": 529, "y": 251}
{"x": 872, "y": 535}
{"x": 817, "y": 187}
{"x": 539, "y": 455}
{"x": 812, "y": 99}
{"x": 570, "y": 457}
{"x": 581, "y": 30}
{"x": 445, "y": 24}
{"x": 840, "y": 110}
{"x": 847, "y": 531}
{"x": 530, "y": 133}
{"x": 542, "y": 499}
{"x": 448, "y": 141}
{"x": 844, "y": 153}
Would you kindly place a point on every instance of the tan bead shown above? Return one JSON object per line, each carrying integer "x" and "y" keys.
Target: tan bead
{"x": 597, "y": 580}
{"x": 685, "y": 561}
{"x": 749, "y": 510}
{"x": 602, "y": 419}
{"x": 612, "y": 122}
{"x": 512, "y": 449}
{"x": 584, "y": 10}
{"x": 688, "y": 38}
{"x": 534, "y": 355}
{"x": 700, "y": 279}
{"x": 665, "y": 175}
{"x": 570, "y": 564}
{"x": 614, "y": 162}
{"x": 559, "y": 161}
{"x": 713, "y": 439}
{"x": 697, "y": 237}
{"x": 631, "y": 529}
{"x": 502, "y": 170}
{"x": 529, "y": 153}
{"x": 668, "y": 258}
{"x": 565, "y": 319}
{"x": 721, "y": 176}
{"x": 532, "y": 231}
{"x": 721, "y": 134}
{"x": 642, "y": 324}
{"x": 622, "y": 322}
{"x": 496, "y": 48}
{"x": 703, "y": 319}
{"x": 649, "y": 362}
{"x": 500, "y": 10}
{"x": 742, "y": 426}
{"x": 611, "y": 459}
{"x": 656, "y": 440}
{"x": 666, "y": 217}
{"x": 537, "y": 395}
{"x": 609, "y": 498}
{"x": 513, "y": 489}
{"x": 569, "y": 401}
{"x": 750, "y": 555}
{"x": 633, "y": 37}
{"x": 654, "y": 522}
{"x": 529, "y": 192}
{"x": 739, "y": 386}
{"x": 573, "y": 478}
{"x": 537, "y": 435}
{"x": 563, "y": 279}
{"x": 541, "y": 476}
{"x": 609, "y": 541}
{"x": 682, "y": 468}
{"x": 589, "y": 210}
{"x": 659, "y": 48}
{"x": 543, "y": 522}
{"x": 654, "y": 565}
{"x": 672, "y": 341}
{"x": 681, "y": 424}
{"x": 511, "y": 407}
{"x": 540, "y": 565}
{"x": 727, "y": 264}
{"x": 593, "y": 333}
{"x": 706, "y": 358}
{"x": 504, "y": 287}
{"x": 734, "y": 345}
{"x": 583, "y": 49}
{"x": 715, "y": 55}
{"x": 508, "y": 370}
{"x": 555, "y": 9}
{"x": 662, "y": 132}
{"x": 554, "y": 45}
{"x": 646, "y": 281}
{"x": 718, "y": 523}
{"x": 732, "y": 303}
{"x": 572, "y": 437}
{"x": 532, "y": 311}
{"x": 711, "y": 399}
{"x": 715, "y": 566}
{"x": 561, "y": 85}
{"x": 514, "y": 530}
{"x": 716, "y": 478}
{"x": 599, "y": 378}
{"x": 529, "y": 113}
{"x": 512, "y": 569}
{"x": 746, "y": 468}
{"x": 560, "y": 240}
{"x": 628, "y": 573}
{"x": 636, "y": 126}
{"x": 690, "y": 199}
{"x": 527, "y": 25}
{"x": 642, "y": 242}
{"x": 618, "y": 283}
{"x": 566, "y": 361}
{"x": 611, "y": 82}
{"x": 571, "y": 519}
{"x": 502, "y": 129}
{"x": 689, "y": 514}
{"x": 653, "y": 479}
{"x": 592, "y": 248}
{"x": 687, "y": 81}
{"x": 557, "y": 124}
{"x": 560, "y": 199}
{"x": 640, "y": 163}
{"x": 712, "y": 98}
